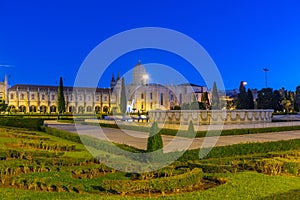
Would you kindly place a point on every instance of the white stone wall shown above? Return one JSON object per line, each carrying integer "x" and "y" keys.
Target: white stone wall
{"x": 210, "y": 116}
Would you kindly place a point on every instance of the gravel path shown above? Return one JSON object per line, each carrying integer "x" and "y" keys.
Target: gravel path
{"x": 171, "y": 143}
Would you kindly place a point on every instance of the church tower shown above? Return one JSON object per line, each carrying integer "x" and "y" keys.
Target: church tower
{"x": 138, "y": 75}
{"x": 113, "y": 82}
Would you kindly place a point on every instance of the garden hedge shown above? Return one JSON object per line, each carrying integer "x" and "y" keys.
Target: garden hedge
{"x": 162, "y": 185}
{"x": 30, "y": 123}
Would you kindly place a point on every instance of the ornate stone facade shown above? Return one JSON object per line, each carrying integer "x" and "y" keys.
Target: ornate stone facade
{"x": 204, "y": 117}
{"x": 144, "y": 96}
{"x": 34, "y": 98}
{"x": 141, "y": 96}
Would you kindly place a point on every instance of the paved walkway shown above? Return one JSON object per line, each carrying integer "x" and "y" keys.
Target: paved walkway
{"x": 171, "y": 143}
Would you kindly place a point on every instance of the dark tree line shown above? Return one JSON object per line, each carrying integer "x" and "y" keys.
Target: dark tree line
{"x": 245, "y": 99}
{"x": 280, "y": 100}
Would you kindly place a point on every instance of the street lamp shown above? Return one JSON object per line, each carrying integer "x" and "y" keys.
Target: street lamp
{"x": 266, "y": 70}
{"x": 145, "y": 78}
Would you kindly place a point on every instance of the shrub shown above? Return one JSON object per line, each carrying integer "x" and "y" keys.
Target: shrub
{"x": 213, "y": 168}
{"x": 63, "y": 134}
{"x": 191, "y": 132}
{"x": 291, "y": 168}
{"x": 244, "y": 149}
{"x": 269, "y": 166}
{"x": 30, "y": 123}
{"x": 123, "y": 187}
{"x": 154, "y": 141}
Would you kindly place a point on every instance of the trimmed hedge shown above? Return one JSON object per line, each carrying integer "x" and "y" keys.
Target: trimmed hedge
{"x": 29, "y": 123}
{"x": 63, "y": 134}
{"x": 244, "y": 149}
{"x": 46, "y": 146}
{"x": 162, "y": 185}
{"x": 213, "y": 168}
{"x": 231, "y": 131}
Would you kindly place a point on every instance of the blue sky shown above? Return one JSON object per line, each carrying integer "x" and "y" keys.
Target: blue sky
{"x": 43, "y": 40}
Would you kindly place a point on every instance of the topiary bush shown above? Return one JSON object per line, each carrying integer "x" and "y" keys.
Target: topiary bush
{"x": 154, "y": 141}
{"x": 191, "y": 131}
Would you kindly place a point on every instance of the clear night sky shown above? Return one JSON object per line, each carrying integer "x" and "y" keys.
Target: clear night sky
{"x": 42, "y": 40}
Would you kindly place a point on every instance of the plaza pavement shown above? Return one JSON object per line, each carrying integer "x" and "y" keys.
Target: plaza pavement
{"x": 172, "y": 143}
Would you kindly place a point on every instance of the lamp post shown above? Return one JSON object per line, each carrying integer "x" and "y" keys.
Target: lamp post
{"x": 145, "y": 79}
{"x": 266, "y": 78}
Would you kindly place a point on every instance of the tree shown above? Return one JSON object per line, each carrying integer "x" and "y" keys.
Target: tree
{"x": 250, "y": 99}
{"x": 191, "y": 131}
{"x": 194, "y": 105}
{"x": 3, "y": 106}
{"x": 267, "y": 99}
{"x": 61, "y": 107}
{"x": 123, "y": 101}
{"x": 264, "y": 98}
{"x": 277, "y": 101}
{"x": 154, "y": 142}
{"x": 297, "y": 99}
{"x": 215, "y": 101}
{"x": 185, "y": 106}
{"x": 287, "y": 100}
{"x": 205, "y": 100}
{"x": 243, "y": 100}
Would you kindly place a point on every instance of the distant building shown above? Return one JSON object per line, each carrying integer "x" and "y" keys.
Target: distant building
{"x": 141, "y": 96}
{"x": 3, "y": 90}
{"x": 43, "y": 99}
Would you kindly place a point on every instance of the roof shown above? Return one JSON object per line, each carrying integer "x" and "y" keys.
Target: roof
{"x": 190, "y": 84}
{"x": 54, "y": 88}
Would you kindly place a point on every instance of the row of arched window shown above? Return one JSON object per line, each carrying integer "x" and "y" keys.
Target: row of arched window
{"x": 72, "y": 109}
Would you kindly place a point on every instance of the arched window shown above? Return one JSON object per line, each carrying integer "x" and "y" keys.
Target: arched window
{"x": 97, "y": 109}
{"x": 32, "y": 109}
{"x": 89, "y": 109}
{"x": 43, "y": 109}
{"x": 80, "y": 109}
{"x": 22, "y": 109}
{"x": 105, "y": 109}
{"x": 72, "y": 109}
{"x": 53, "y": 109}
